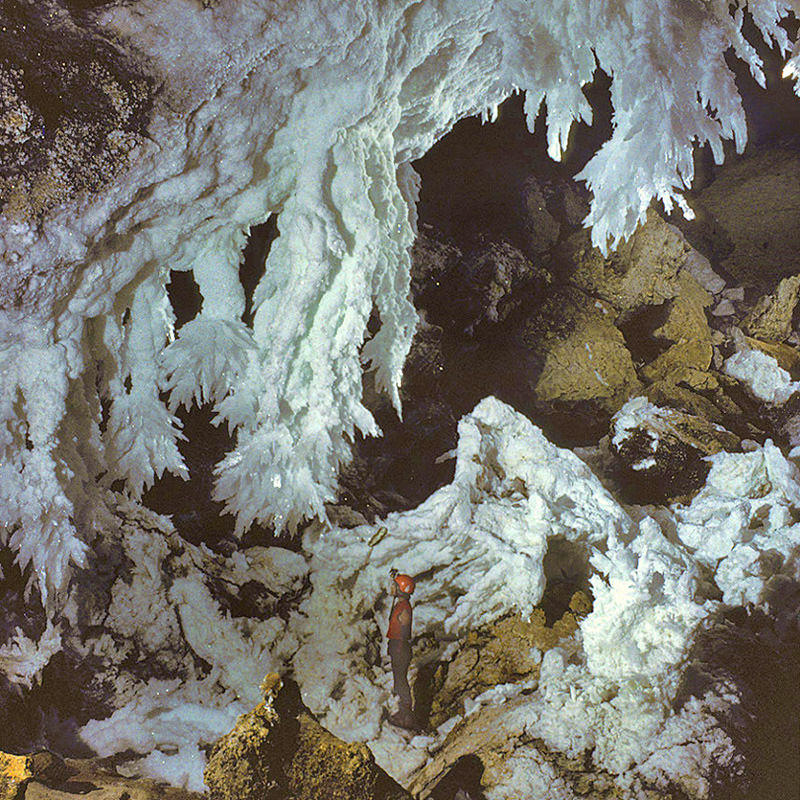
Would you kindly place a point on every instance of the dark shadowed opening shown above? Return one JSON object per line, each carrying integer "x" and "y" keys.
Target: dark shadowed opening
{"x": 254, "y": 261}
{"x": 184, "y": 296}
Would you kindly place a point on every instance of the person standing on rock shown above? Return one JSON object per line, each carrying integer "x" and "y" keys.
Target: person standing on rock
{"x": 399, "y": 636}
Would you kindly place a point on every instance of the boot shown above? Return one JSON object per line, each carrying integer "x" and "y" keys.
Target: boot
{"x": 404, "y": 718}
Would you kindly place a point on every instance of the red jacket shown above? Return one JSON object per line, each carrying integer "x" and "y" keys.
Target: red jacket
{"x": 395, "y": 624}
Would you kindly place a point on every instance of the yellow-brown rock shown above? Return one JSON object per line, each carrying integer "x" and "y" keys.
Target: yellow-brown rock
{"x": 46, "y": 776}
{"x": 771, "y": 319}
{"x": 643, "y": 271}
{"x": 701, "y": 394}
{"x": 788, "y": 357}
{"x": 584, "y": 367}
{"x": 15, "y": 772}
{"x": 278, "y": 751}
{"x": 507, "y": 651}
{"x": 326, "y": 767}
{"x": 751, "y": 209}
{"x": 686, "y": 328}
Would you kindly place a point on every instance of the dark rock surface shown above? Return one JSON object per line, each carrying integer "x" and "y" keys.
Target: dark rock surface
{"x": 73, "y": 105}
{"x": 488, "y": 284}
{"x": 756, "y": 655}
{"x": 403, "y": 467}
{"x": 747, "y": 217}
{"x": 663, "y": 458}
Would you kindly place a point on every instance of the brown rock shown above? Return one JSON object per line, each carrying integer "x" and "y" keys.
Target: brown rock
{"x": 45, "y": 776}
{"x": 643, "y": 271}
{"x": 540, "y": 228}
{"x": 771, "y": 319}
{"x": 500, "y": 653}
{"x": 582, "y": 366}
{"x": 788, "y": 357}
{"x": 754, "y": 205}
{"x": 686, "y": 327}
{"x": 431, "y": 261}
{"x": 692, "y": 354}
{"x": 278, "y": 751}
{"x": 492, "y": 281}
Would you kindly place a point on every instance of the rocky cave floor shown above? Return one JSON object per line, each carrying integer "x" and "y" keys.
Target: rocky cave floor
{"x": 514, "y": 302}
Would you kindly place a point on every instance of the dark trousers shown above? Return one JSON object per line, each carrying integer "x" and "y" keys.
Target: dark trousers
{"x": 400, "y": 653}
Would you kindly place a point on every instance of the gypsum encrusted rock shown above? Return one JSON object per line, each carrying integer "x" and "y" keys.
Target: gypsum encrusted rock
{"x": 43, "y": 775}
{"x": 151, "y": 607}
{"x": 663, "y": 450}
{"x": 278, "y": 751}
{"x": 508, "y": 651}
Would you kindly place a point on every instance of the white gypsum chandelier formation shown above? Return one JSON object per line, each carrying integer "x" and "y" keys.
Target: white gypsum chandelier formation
{"x": 313, "y": 111}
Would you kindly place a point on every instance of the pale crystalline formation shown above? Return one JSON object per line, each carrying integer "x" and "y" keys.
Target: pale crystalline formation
{"x": 313, "y": 111}
{"x": 479, "y": 546}
{"x": 520, "y": 513}
{"x": 765, "y": 379}
{"x": 176, "y": 666}
{"x": 22, "y": 659}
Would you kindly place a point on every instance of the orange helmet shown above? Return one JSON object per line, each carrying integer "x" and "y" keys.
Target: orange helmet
{"x": 405, "y": 583}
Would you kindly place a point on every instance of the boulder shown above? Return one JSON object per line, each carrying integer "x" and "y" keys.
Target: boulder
{"x": 662, "y": 451}
{"x": 753, "y": 206}
{"x": 574, "y": 362}
{"x": 278, "y": 751}
{"x": 491, "y": 282}
{"x": 507, "y": 651}
{"x": 699, "y": 267}
{"x": 431, "y": 261}
{"x": 15, "y": 772}
{"x": 694, "y": 392}
{"x": 771, "y": 319}
{"x": 45, "y": 776}
{"x": 540, "y": 230}
{"x": 643, "y": 271}
{"x": 685, "y": 330}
